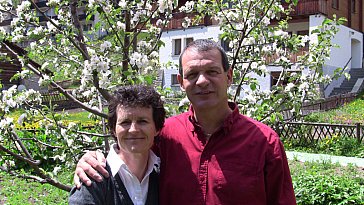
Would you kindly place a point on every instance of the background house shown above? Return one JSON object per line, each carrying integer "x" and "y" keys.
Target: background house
{"x": 307, "y": 16}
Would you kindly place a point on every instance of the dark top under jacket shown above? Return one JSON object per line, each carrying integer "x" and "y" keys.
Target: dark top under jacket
{"x": 111, "y": 191}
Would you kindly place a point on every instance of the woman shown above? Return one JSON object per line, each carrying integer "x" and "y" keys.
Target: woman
{"x": 136, "y": 115}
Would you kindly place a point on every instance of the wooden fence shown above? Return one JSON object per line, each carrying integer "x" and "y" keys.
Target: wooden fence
{"x": 310, "y": 133}
{"x": 62, "y": 102}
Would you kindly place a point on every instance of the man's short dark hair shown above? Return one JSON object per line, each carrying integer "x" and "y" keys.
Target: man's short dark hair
{"x": 205, "y": 45}
{"x": 136, "y": 96}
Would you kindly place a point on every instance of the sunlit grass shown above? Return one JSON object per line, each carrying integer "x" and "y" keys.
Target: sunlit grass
{"x": 350, "y": 113}
{"x": 77, "y": 116}
{"x": 15, "y": 190}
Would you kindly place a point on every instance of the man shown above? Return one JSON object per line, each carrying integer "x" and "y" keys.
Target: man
{"x": 212, "y": 154}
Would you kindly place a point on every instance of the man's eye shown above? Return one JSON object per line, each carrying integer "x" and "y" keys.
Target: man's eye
{"x": 213, "y": 72}
{"x": 191, "y": 76}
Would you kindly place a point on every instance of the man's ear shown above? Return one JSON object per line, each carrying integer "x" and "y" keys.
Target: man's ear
{"x": 229, "y": 74}
{"x": 180, "y": 80}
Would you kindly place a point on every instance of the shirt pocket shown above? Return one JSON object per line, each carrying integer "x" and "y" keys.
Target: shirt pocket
{"x": 236, "y": 182}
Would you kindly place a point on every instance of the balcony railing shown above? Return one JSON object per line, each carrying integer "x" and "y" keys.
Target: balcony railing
{"x": 309, "y": 7}
{"x": 178, "y": 18}
{"x": 293, "y": 58}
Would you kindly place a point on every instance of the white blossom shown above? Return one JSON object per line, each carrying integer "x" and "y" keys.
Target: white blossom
{"x": 25, "y": 5}
{"x": 51, "y": 27}
{"x": 56, "y": 170}
{"x": 183, "y": 102}
{"x": 44, "y": 80}
{"x": 304, "y": 86}
{"x": 120, "y": 25}
{"x": 123, "y": 4}
{"x": 289, "y": 87}
{"x": 6, "y": 124}
{"x": 105, "y": 46}
{"x": 21, "y": 118}
{"x": 188, "y": 7}
{"x": 281, "y": 33}
{"x": 186, "y": 22}
{"x": 165, "y": 5}
{"x": 139, "y": 60}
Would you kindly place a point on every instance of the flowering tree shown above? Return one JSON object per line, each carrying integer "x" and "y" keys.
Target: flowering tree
{"x": 121, "y": 48}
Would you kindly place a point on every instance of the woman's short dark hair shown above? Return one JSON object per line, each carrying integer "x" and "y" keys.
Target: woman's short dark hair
{"x": 136, "y": 96}
{"x": 205, "y": 45}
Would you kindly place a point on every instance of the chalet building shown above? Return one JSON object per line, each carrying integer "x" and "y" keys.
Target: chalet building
{"x": 308, "y": 14}
{"x": 9, "y": 66}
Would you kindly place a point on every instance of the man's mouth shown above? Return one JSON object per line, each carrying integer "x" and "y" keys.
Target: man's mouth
{"x": 135, "y": 138}
{"x": 204, "y": 92}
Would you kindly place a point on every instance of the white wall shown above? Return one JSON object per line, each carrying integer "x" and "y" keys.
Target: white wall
{"x": 350, "y": 44}
{"x": 340, "y": 56}
{"x": 203, "y": 32}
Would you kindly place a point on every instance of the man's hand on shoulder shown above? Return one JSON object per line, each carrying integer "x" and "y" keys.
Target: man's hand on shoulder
{"x": 91, "y": 164}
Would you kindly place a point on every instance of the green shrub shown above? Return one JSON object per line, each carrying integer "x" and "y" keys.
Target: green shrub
{"x": 324, "y": 183}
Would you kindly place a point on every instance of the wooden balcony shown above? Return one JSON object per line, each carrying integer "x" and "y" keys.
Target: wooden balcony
{"x": 293, "y": 57}
{"x": 309, "y": 7}
{"x": 178, "y": 18}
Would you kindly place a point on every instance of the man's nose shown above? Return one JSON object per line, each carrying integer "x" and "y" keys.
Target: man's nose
{"x": 202, "y": 80}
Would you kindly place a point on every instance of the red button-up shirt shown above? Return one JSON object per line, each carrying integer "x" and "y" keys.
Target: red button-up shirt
{"x": 243, "y": 163}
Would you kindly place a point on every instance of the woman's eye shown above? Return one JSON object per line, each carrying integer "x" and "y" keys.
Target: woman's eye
{"x": 124, "y": 123}
{"x": 143, "y": 121}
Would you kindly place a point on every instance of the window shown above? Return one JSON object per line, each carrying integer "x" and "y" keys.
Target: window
{"x": 230, "y": 4}
{"x": 188, "y": 41}
{"x": 304, "y": 33}
{"x": 352, "y": 6}
{"x": 174, "y": 80}
{"x": 177, "y": 46}
{"x": 335, "y": 4}
{"x": 275, "y": 75}
{"x": 87, "y": 27}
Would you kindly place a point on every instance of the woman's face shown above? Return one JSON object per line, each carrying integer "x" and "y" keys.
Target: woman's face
{"x": 135, "y": 129}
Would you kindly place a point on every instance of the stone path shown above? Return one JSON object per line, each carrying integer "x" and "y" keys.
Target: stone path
{"x": 303, "y": 157}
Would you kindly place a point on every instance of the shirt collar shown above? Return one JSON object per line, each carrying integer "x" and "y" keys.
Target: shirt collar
{"x": 115, "y": 162}
{"x": 227, "y": 122}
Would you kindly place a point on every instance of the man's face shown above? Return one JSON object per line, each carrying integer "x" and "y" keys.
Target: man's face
{"x": 135, "y": 129}
{"x": 204, "y": 78}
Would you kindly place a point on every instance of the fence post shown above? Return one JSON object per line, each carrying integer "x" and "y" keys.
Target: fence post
{"x": 358, "y": 132}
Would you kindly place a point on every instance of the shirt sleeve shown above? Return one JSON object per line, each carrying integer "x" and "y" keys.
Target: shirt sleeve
{"x": 91, "y": 195}
{"x": 278, "y": 182}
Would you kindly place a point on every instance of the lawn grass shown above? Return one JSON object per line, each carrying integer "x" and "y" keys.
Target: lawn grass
{"x": 350, "y": 113}
{"x": 20, "y": 191}
{"x": 15, "y": 190}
